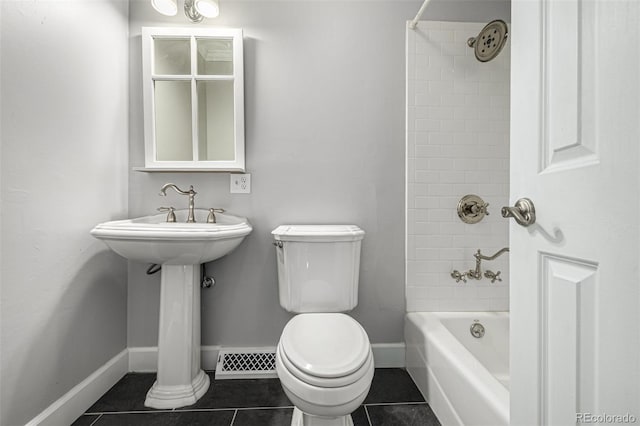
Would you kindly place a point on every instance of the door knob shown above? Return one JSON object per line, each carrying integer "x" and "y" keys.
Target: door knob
{"x": 523, "y": 212}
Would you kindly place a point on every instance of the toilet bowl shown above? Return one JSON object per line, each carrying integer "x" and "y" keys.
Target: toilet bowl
{"x": 324, "y": 359}
{"x": 325, "y": 364}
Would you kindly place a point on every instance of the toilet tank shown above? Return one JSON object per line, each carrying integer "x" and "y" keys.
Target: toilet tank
{"x": 318, "y": 267}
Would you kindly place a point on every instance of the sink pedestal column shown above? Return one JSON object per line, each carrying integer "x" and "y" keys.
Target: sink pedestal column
{"x": 180, "y": 381}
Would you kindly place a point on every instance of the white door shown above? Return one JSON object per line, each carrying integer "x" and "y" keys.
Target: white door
{"x": 575, "y": 137}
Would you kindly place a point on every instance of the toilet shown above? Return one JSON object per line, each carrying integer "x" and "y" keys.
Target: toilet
{"x": 323, "y": 359}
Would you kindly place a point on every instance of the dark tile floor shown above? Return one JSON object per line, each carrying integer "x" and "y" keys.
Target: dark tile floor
{"x": 393, "y": 400}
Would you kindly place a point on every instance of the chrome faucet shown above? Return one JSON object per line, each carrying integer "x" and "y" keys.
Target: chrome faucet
{"x": 476, "y": 274}
{"x": 191, "y": 193}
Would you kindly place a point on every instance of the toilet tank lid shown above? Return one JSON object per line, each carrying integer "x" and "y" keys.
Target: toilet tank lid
{"x": 318, "y": 233}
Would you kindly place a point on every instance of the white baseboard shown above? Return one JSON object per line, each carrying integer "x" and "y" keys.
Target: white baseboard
{"x": 74, "y": 403}
{"x": 145, "y": 359}
{"x": 388, "y": 355}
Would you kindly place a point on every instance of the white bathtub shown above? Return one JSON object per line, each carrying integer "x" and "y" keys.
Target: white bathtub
{"x": 464, "y": 379}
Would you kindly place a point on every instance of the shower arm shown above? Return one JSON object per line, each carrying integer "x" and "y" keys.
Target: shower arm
{"x": 413, "y": 24}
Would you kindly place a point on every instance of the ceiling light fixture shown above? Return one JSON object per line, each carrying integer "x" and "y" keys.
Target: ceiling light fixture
{"x": 208, "y": 8}
{"x": 195, "y": 10}
{"x": 166, "y": 7}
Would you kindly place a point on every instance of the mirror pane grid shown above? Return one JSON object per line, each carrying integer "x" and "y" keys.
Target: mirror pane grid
{"x": 215, "y": 56}
{"x": 173, "y": 125}
{"x": 172, "y": 56}
{"x": 216, "y": 123}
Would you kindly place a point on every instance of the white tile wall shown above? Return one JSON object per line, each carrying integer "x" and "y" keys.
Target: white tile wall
{"x": 457, "y": 144}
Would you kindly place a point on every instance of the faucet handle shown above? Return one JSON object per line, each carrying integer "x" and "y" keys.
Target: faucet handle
{"x": 472, "y": 209}
{"x": 171, "y": 216}
{"x": 456, "y": 275}
{"x": 212, "y": 215}
{"x": 482, "y": 208}
{"x": 493, "y": 276}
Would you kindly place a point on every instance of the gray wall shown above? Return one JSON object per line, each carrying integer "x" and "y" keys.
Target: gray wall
{"x": 325, "y": 125}
{"x": 467, "y": 10}
{"x": 324, "y": 106}
{"x": 64, "y": 169}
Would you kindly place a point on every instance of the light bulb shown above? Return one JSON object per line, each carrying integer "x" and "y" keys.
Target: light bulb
{"x": 207, "y": 8}
{"x": 166, "y": 7}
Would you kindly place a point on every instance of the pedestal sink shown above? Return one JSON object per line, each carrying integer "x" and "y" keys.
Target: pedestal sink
{"x": 180, "y": 248}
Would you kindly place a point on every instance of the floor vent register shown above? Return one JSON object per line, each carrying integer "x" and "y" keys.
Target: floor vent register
{"x": 246, "y": 363}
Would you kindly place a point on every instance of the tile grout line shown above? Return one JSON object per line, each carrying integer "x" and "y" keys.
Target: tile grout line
{"x": 375, "y": 404}
{"x": 179, "y": 410}
{"x": 236, "y": 409}
{"x": 233, "y": 408}
{"x": 367, "y": 413}
{"x": 191, "y": 410}
{"x": 96, "y": 420}
{"x": 109, "y": 413}
{"x": 260, "y": 408}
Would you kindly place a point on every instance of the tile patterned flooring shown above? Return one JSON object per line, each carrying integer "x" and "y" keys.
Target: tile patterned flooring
{"x": 393, "y": 400}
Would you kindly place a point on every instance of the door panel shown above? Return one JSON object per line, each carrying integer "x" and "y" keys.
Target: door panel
{"x": 575, "y": 137}
{"x": 568, "y": 84}
{"x": 569, "y": 341}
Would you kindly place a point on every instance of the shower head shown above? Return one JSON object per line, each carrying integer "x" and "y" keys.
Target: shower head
{"x": 490, "y": 41}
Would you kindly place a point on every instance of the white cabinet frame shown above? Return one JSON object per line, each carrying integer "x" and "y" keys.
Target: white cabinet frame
{"x": 149, "y": 34}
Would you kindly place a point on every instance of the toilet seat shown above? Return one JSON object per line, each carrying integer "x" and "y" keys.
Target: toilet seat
{"x": 324, "y": 363}
{"x": 325, "y": 401}
{"x": 333, "y": 382}
{"x": 327, "y": 350}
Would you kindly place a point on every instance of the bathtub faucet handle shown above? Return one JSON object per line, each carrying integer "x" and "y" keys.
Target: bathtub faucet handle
{"x": 456, "y": 275}
{"x": 493, "y": 276}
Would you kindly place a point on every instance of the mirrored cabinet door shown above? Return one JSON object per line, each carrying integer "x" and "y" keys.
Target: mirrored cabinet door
{"x": 193, "y": 99}
{"x": 172, "y": 56}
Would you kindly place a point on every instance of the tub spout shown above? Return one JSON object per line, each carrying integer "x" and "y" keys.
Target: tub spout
{"x": 481, "y": 256}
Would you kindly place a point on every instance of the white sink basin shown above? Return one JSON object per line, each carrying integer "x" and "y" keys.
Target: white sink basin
{"x": 151, "y": 239}
{"x": 180, "y": 247}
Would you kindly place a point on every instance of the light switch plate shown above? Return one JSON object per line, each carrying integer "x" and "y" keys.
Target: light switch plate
{"x": 240, "y": 183}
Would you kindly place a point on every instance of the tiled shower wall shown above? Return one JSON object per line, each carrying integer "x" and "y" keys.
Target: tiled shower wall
{"x": 457, "y": 144}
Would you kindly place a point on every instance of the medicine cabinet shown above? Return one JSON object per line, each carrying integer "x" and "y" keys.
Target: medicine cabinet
{"x": 193, "y": 89}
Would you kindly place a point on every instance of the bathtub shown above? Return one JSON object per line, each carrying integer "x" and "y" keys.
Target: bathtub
{"x": 464, "y": 379}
